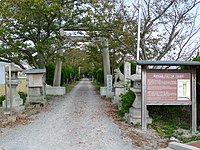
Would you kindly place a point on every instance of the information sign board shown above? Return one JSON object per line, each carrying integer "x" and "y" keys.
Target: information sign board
{"x": 168, "y": 86}
{"x": 35, "y": 80}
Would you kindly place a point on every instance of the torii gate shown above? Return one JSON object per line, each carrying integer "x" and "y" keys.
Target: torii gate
{"x": 105, "y": 54}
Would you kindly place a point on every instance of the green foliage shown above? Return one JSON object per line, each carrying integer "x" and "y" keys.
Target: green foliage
{"x": 133, "y": 67}
{"x": 32, "y": 27}
{"x": 67, "y": 73}
{"x": 98, "y": 74}
{"x": 166, "y": 119}
{"x": 193, "y": 138}
{"x": 50, "y": 73}
{"x": 23, "y": 96}
{"x": 2, "y": 98}
{"x": 126, "y": 102}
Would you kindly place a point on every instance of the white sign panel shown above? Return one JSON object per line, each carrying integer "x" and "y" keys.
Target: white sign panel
{"x": 183, "y": 89}
{"x": 2, "y": 74}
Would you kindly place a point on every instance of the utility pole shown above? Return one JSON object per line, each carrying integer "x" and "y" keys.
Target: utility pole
{"x": 138, "y": 35}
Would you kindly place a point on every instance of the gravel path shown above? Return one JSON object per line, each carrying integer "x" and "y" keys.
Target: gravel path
{"x": 77, "y": 121}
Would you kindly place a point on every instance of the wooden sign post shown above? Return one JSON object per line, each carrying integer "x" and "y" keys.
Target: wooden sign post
{"x": 169, "y": 86}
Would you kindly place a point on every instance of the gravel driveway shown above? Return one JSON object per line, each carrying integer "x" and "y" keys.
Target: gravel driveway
{"x": 76, "y": 121}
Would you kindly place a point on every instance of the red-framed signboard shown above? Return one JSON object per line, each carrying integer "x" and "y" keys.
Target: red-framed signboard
{"x": 168, "y": 86}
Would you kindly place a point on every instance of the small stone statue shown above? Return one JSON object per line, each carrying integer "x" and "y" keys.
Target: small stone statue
{"x": 118, "y": 75}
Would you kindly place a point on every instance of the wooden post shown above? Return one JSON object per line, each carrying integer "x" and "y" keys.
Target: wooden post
{"x": 144, "y": 106}
{"x": 194, "y": 104}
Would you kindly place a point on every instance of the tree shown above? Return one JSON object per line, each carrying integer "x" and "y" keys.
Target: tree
{"x": 169, "y": 29}
{"x": 29, "y": 29}
{"x": 78, "y": 58}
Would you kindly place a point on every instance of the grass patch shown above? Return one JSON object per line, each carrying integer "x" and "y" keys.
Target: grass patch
{"x": 172, "y": 121}
{"x": 69, "y": 87}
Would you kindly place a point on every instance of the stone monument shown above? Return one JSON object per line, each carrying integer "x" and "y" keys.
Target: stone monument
{"x": 13, "y": 100}
{"x": 109, "y": 93}
{"x": 36, "y": 86}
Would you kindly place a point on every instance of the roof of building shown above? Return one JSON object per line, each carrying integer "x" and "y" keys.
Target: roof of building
{"x": 168, "y": 63}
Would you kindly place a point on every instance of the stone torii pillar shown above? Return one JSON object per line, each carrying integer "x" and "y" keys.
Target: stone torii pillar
{"x": 106, "y": 58}
{"x": 58, "y": 68}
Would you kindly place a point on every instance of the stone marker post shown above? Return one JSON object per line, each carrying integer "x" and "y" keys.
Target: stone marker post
{"x": 127, "y": 71}
{"x": 109, "y": 86}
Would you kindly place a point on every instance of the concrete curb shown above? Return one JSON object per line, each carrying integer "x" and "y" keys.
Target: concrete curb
{"x": 180, "y": 146}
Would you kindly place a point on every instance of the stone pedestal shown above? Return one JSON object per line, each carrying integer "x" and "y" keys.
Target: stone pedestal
{"x": 52, "y": 90}
{"x": 118, "y": 89}
{"x": 135, "y": 112}
{"x": 103, "y": 91}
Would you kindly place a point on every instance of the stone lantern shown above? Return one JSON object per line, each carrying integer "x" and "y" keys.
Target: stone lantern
{"x": 135, "y": 112}
{"x": 13, "y": 98}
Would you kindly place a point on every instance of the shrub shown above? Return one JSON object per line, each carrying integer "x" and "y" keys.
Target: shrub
{"x": 126, "y": 102}
{"x": 23, "y": 96}
{"x": 166, "y": 119}
{"x": 100, "y": 76}
{"x": 2, "y": 98}
{"x": 50, "y": 73}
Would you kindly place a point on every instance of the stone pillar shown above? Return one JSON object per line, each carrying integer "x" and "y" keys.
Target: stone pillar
{"x": 109, "y": 92}
{"x": 106, "y": 64}
{"x": 106, "y": 59}
{"x": 57, "y": 74}
{"x": 58, "y": 68}
{"x": 127, "y": 71}
{"x": 135, "y": 112}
